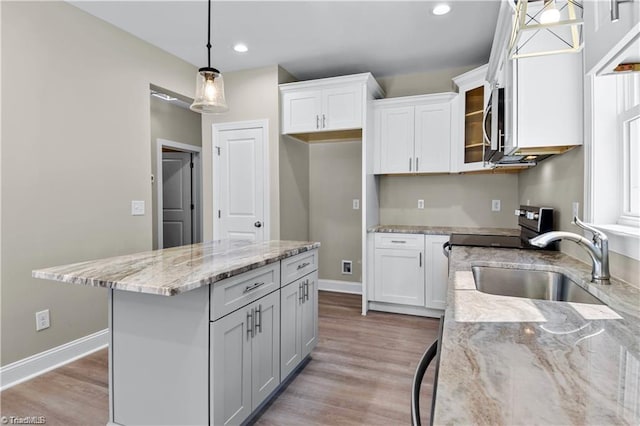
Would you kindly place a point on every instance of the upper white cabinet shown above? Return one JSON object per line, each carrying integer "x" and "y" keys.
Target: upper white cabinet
{"x": 324, "y": 105}
{"x": 468, "y": 145}
{"x": 607, "y": 42}
{"x": 413, "y": 134}
{"x": 543, "y": 95}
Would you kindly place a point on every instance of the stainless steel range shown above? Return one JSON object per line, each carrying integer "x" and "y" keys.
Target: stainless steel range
{"x": 533, "y": 221}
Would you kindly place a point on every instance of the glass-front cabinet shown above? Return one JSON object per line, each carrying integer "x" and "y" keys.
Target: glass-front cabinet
{"x": 469, "y": 144}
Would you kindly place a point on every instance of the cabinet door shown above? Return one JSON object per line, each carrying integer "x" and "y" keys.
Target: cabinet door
{"x": 230, "y": 357}
{"x": 399, "y": 276}
{"x": 301, "y": 111}
{"x": 473, "y": 103}
{"x": 309, "y": 314}
{"x": 290, "y": 327}
{"x": 342, "y": 108}
{"x": 265, "y": 348}
{"x": 436, "y": 272}
{"x": 433, "y": 138}
{"x": 396, "y": 140}
{"x": 603, "y": 39}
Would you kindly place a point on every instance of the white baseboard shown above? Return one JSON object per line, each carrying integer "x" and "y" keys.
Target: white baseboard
{"x": 35, "y": 365}
{"x": 340, "y": 286}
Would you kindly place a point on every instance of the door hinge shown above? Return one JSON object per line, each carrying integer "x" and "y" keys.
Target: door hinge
{"x": 192, "y": 164}
{"x": 219, "y": 214}
{"x": 192, "y": 207}
{"x": 218, "y": 149}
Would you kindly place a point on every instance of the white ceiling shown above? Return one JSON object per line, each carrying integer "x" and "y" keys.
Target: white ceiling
{"x": 313, "y": 39}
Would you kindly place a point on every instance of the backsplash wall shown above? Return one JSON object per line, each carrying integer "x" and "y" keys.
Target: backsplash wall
{"x": 450, "y": 200}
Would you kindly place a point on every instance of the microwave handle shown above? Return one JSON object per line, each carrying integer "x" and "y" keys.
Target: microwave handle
{"x": 487, "y": 140}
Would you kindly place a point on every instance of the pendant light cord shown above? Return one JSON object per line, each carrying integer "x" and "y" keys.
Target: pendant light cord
{"x": 209, "y": 35}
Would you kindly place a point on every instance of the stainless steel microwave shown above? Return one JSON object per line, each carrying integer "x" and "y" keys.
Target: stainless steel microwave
{"x": 494, "y": 126}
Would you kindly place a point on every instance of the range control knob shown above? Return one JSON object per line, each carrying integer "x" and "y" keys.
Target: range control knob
{"x": 532, "y": 216}
{"x": 519, "y": 212}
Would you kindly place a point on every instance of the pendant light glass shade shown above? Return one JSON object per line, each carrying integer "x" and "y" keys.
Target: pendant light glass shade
{"x": 209, "y": 92}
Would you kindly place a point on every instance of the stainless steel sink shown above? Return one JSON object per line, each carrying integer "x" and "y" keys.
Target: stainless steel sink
{"x": 530, "y": 284}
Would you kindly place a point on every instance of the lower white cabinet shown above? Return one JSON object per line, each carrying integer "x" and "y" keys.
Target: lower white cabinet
{"x": 410, "y": 270}
{"x": 436, "y": 271}
{"x": 245, "y": 364}
{"x": 299, "y": 322}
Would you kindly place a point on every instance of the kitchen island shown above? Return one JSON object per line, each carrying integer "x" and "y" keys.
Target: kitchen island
{"x": 205, "y": 333}
{"x": 508, "y": 360}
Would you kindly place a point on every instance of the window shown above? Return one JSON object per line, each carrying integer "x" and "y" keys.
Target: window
{"x": 612, "y": 160}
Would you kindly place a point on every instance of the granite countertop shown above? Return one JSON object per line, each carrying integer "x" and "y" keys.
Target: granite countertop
{"x": 176, "y": 270}
{"x": 442, "y": 230}
{"x": 507, "y": 360}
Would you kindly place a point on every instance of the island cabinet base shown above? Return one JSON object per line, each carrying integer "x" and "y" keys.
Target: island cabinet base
{"x": 190, "y": 359}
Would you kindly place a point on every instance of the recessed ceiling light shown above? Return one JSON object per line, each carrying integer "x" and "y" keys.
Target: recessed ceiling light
{"x": 441, "y": 9}
{"x": 240, "y": 48}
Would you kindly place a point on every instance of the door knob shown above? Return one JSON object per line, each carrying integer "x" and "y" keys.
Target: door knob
{"x": 258, "y": 224}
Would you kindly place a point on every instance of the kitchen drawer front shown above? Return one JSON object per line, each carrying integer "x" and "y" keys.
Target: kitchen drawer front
{"x": 299, "y": 266}
{"x": 233, "y": 293}
{"x": 399, "y": 241}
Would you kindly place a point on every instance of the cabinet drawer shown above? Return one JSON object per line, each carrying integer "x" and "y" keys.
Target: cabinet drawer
{"x": 233, "y": 293}
{"x": 299, "y": 266}
{"x": 399, "y": 241}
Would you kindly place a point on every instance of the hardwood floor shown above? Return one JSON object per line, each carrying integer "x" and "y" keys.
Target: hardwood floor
{"x": 360, "y": 373}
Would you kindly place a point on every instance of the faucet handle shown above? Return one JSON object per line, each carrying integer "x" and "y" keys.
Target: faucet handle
{"x": 597, "y": 234}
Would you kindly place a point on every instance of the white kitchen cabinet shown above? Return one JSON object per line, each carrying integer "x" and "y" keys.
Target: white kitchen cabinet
{"x": 410, "y": 274}
{"x": 469, "y": 144}
{"x": 437, "y": 272}
{"x": 245, "y": 364}
{"x": 543, "y": 109}
{"x": 299, "y": 330}
{"x": 399, "y": 272}
{"x": 413, "y": 134}
{"x": 325, "y": 105}
{"x": 607, "y": 42}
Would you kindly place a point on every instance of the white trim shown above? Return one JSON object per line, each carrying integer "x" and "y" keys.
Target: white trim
{"x": 35, "y": 365}
{"x": 405, "y": 309}
{"x": 216, "y": 128}
{"x": 197, "y": 201}
{"x": 340, "y": 286}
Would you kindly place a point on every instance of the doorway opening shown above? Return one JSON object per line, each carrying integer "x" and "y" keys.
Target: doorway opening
{"x": 179, "y": 194}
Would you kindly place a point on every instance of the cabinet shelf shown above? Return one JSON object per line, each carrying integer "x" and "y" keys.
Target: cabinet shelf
{"x": 472, "y": 113}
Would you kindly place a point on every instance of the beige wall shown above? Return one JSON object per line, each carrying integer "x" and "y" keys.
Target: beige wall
{"x": 557, "y": 182}
{"x": 450, "y": 200}
{"x": 421, "y": 83}
{"x": 294, "y": 189}
{"x": 335, "y": 175}
{"x": 169, "y": 121}
{"x": 251, "y": 95}
{"x": 75, "y": 152}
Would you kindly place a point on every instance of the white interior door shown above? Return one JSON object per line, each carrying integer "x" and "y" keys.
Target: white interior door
{"x": 177, "y": 205}
{"x": 241, "y": 181}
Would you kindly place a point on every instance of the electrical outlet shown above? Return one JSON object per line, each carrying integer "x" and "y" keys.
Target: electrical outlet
{"x": 137, "y": 208}
{"x": 42, "y": 320}
{"x": 347, "y": 267}
{"x": 356, "y": 204}
{"x": 495, "y": 205}
{"x": 575, "y": 211}
{"x": 421, "y": 204}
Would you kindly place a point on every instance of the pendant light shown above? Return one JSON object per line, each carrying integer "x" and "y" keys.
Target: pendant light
{"x": 209, "y": 84}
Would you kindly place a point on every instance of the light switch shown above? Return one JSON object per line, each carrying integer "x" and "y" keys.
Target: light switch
{"x": 356, "y": 204}
{"x": 137, "y": 208}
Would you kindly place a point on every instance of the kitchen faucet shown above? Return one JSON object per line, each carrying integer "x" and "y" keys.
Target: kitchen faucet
{"x": 598, "y": 249}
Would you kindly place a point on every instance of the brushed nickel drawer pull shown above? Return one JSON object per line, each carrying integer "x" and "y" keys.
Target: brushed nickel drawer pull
{"x": 398, "y": 242}
{"x": 250, "y": 288}
{"x": 306, "y": 290}
{"x": 301, "y": 293}
{"x": 303, "y": 265}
